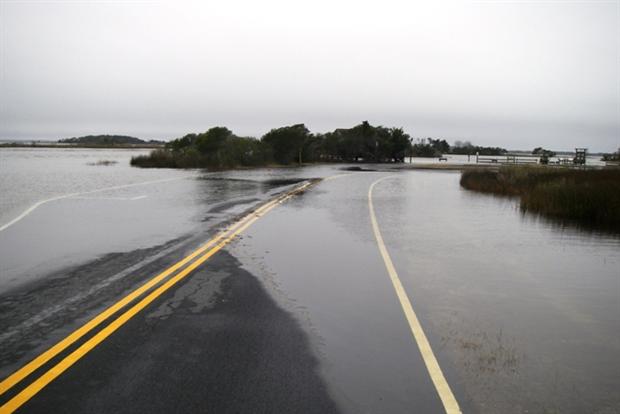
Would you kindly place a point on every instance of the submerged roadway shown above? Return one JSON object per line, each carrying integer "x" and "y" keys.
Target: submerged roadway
{"x": 205, "y": 334}
{"x": 298, "y": 299}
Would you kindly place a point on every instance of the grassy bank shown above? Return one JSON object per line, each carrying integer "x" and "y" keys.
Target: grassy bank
{"x": 589, "y": 198}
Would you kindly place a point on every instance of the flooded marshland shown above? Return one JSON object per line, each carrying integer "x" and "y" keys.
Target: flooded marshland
{"x": 523, "y": 314}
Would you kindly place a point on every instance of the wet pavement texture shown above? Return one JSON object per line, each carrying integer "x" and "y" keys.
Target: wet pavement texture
{"x": 298, "y": 313}
{"x": 523, "y": 316}
{"x": 217, "y": 344}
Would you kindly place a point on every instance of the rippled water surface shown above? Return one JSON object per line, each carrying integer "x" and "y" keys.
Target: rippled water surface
{"x": 523, "y": 315}
{"x": 91, "y": 202}
{"x": 528, "y": 311}
{"x": 29, "y": 175}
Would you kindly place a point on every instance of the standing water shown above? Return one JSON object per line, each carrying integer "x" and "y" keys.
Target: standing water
{"x": 30, "y": 175}
{"x": 528, "y": 311}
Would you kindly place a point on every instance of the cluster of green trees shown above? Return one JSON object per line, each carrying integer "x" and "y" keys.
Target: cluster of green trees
{"x": 612, "y": 157}
{"x": 430, "y": 147}
{"x": 220, "y": 148}
{"x": 544, "y": 154}
{"x": 542, "y": 151}
{"x": 217, "y": 147}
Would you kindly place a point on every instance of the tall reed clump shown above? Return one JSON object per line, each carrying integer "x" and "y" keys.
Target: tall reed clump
{"x": 587, "y": 197}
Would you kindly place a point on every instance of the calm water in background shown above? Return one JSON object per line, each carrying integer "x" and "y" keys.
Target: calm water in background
{"x": 464, "y": 159}
{"x": 528, "y": 310}
{"x": 526, "y": 313}
{"x": 29, "y": 175}
{"x": 523, "y": 315}
{"x": 153, "y": 207}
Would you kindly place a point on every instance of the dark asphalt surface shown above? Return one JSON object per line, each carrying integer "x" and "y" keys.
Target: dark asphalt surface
{"x": 218, "y": 343}
{"x": 46, "y": 290}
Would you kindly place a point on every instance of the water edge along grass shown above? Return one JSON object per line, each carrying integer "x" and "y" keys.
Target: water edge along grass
{"x": 589, "y": 198}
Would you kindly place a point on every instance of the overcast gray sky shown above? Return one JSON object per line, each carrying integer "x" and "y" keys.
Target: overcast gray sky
{"x": 516, "y": 74}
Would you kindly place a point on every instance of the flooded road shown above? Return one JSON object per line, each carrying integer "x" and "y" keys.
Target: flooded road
{"x": 297, "y": 313}
{"x": 523, "y": 316}
{"x": 529, "y": 312}
{"x": 84, "y": 210}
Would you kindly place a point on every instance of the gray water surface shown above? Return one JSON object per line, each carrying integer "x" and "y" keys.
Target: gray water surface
{"x": 528, "y": 312}
{"x": 524, "y": 316}
{"x": 90, "y": 210}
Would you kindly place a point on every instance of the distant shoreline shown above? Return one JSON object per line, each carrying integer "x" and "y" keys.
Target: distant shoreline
{"x": 89, "y": 146}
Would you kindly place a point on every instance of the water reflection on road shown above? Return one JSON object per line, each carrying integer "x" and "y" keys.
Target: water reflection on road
{"x": 524, "y": 316}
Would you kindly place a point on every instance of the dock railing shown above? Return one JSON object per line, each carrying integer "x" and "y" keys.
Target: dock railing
{"x": 508, "y": 159}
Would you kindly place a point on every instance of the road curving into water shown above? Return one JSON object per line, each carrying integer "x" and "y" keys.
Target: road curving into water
{"x": 434, "y": 370}
{"x": 291, "y": 311}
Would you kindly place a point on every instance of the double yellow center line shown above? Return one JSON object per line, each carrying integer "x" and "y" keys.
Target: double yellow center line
{"x": 202, "y": 254}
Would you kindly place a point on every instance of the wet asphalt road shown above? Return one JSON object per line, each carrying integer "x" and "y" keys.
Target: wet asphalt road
{"x": 218, "y": 342}
{"x": 298, "y": 314}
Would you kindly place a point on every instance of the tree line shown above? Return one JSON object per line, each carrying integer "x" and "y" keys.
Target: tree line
{"x": 219, "y": 147}
{"x": 108, "y": 140}
{"x": 612, "y": 157}
{"x": 429, "y": 147}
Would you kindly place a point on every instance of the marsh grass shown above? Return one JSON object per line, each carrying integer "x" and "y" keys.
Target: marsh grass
{"x": 162, "y": 158}
{"x": 589, "y": 198}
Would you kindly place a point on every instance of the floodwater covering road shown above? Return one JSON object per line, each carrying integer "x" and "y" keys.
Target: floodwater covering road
{"x": 523, "y": 316}
{"x": 298, "y": 313}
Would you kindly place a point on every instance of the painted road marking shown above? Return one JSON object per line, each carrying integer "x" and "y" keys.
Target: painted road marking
{"x": 226, "y": 235}
{"x": 93, "y": 290}
{"x": 27, "y": 369}
{"x": 61, "y": 197}
{"x": 110, "y": 198}
{"x": 441, "y": 385}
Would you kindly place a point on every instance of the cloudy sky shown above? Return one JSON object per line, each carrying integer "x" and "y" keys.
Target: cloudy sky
{"x": 516, "y": 74}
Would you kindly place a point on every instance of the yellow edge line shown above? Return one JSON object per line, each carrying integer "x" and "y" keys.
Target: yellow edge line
{"x": 441, "y": 385}
{"x": 36, "y": 363}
